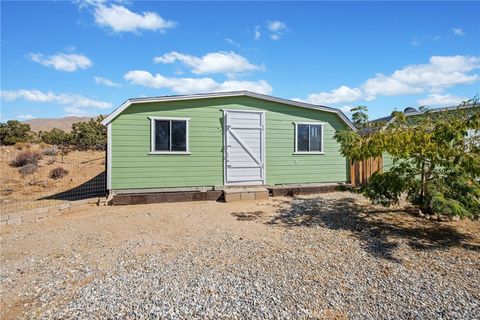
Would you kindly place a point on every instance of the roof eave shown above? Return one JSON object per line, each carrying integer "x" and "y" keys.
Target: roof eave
{"x": 129, "y": 102}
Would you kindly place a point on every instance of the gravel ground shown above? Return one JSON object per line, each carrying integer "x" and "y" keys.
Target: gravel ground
{"x": 330, "y": 256}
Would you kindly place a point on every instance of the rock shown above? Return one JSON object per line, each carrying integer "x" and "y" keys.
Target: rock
{"x": 40, "y": 183}
{"x": 443, "y": 218}
{"x": 7, "y": 191}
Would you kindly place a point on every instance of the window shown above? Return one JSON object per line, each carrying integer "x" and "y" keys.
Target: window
{"x": 309, "y": 138}
{"x": 169, "y": 135}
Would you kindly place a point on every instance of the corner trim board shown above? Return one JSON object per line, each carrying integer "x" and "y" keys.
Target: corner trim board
{"x": 109, "y": 156}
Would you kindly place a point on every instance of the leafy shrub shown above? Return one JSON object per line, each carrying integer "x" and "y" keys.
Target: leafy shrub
{"x": 384, "y": 189}
{"x": 436, "y": 163}
{"x": 55, "y": 137}
{"x": 89, "y": 135}
{"x": 58, "y": 173}
{"x": 29, "y": 168}
{"x": 50, "y": 151}
{"x": 27, "y": 157}
{"x": 14, "y": 131}
{"x": 455, "y": 195}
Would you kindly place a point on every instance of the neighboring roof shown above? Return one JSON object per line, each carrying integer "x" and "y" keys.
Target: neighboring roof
{"x": 132, "y": 101}
{"x": 390, "y": 118}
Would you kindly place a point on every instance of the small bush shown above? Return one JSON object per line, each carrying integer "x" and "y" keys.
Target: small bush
{"x": 58, "y": 173}
{"x": 23, "y": 145}
{"x": 50, "y": 151}
{"x": 14, "y": 131}
{"x": 55, "y": 137}
{"x": 29, "y": 168}
{"x": 27, "y": 157}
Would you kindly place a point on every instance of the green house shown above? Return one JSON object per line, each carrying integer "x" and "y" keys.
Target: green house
{"x": 214, "y": 140}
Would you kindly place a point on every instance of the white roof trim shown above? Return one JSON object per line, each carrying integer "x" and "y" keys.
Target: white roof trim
{"x": 129, "y": 102}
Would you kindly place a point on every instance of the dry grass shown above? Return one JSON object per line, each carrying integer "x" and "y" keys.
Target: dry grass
{"x": 19, "y": 193}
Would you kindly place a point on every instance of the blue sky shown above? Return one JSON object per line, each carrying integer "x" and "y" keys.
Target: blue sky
{"x": 87, "y": 57}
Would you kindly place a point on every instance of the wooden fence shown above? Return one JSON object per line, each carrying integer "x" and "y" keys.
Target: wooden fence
{"x": 362, "y": 170}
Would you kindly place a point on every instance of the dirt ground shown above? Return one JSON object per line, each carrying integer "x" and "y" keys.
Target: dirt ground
{"x": 37, "y": 189}
{"x": 65, "y": 253}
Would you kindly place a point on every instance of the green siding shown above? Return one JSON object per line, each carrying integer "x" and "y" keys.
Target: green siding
{"x": 133, "y": 167}
{"x": 387, "y": 161}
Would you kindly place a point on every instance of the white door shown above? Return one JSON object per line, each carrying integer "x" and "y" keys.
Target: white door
{"x": 244, "y": 147}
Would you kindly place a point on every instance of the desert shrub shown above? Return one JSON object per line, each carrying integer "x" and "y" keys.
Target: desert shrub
{"x": 55, "y": 137}
{"x": 29, "y": 168}
{"x": 50, "y": 151}
{"x": 23, "y": 145}
{"x": 89, "y": 135}
{"x": 26, "y": 157}
{"x": 14, "y": 131}
{"x": 58, "y": 173}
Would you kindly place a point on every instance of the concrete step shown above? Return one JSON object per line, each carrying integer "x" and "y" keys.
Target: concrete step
{"x": 245, "y": 193}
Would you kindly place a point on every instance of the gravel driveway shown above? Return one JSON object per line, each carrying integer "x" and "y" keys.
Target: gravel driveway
{"x": 330, "y": 256}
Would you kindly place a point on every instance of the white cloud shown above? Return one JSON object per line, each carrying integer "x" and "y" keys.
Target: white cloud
{"x": 194, "y": 85}
{"x": 341, "y": 94}
{"x": 441, "y": 72}
{"x": 71, "y": 99}
{"x": 417, "y": 41}
{"x": 276, "y": 28}
{"x": 257, "y": 34}
{"x": 106, "y": 82}
{"x": 78, "y": 112}
{"x": 387, "y": 86}
{"x": 120, "y": 19}
{"x": 62, "y": 61}
{"x": 214, "y": 62}
{"x": 441, "y": 100}
{"x": 25, "y": 116}
{"x": 232, "y": 42}
{"x": 458, "y": 32}
{"x": 274, "y": 37}
{"x": 434, "y": 77}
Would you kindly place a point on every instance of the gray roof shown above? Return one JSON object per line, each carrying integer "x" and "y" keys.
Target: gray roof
{"x": 389, "y": 118}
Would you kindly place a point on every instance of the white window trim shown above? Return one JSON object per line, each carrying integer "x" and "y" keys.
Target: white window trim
{"x": 321, "y": 124}
{"x": 152, "y": 135}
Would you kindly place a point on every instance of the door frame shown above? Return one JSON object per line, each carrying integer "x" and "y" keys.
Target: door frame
{"x": 262, "y": 137}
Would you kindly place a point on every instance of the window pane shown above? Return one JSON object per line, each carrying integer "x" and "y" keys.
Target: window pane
{"x": 315, "y": 138}
{"x": 179, "y": 135}
{"x": 302, "y": 137}
{"x": 162, "y": 135}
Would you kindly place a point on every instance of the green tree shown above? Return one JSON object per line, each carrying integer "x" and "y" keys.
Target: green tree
{"x": 360, "y": 117}
{"x": 14, "y": 131}
{"x": 436, "y": 163}
{"x": 89, "y": 135}
{"x": 56, "y": 137}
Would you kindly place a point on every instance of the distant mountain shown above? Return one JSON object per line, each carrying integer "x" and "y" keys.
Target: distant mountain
{"x": 47, "y": 124}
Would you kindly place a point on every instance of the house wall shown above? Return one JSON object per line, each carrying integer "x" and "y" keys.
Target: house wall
{"x": 133, "y": 167}
{"x": 387, "y": 161}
